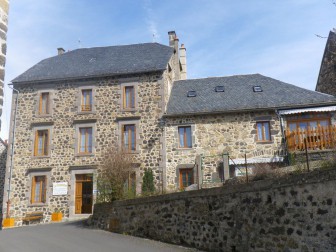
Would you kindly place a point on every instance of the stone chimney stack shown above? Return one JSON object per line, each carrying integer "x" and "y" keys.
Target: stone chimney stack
{"x": 60, "y": 51}
{"x": 183, "y": 61}
{"x": 174, "y": 42}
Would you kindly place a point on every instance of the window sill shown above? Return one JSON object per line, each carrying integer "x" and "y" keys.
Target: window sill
{"x": 38, "y": 157}
{"x": 86, "y": 112}
{"x": 43, "y": 115}
{"x": 128, "y": 109}
{"x": 37, "y": 205}
{"x": 84, "y": 155}
{"x": 186, "y": 149}
{"x": 264, "y": 142}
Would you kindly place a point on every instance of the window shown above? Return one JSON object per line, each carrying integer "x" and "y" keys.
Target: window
{"x": 219, "y": 89}
{"x": 186, "y": 178}
{"x": 184, "y": 137}
{"x": 257, "y": 89}
{"x": 41, "y": 143}
{"x": 129, "y": 97}
{"x": 310, "y": 120}
{"x": 130, "y": 184}
{"x": 38, "y": 192}
{"x": 44, "y": 104}
{"x": 85, "y": 140}
{"x": 86, "y": 100}
{"x": 263, "y": 129}
{"x": 191, "y": 93}
{"x": 128, "y": 137}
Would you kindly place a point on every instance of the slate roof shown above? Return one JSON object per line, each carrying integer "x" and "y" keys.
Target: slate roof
{"x": 100, "y": 61}
{"x": 239, "y": 95}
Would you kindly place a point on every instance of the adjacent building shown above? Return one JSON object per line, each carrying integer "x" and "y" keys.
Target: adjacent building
{"x": 326, "y": 82}
{"x": 72, "y": 108}
{"x": 4, "y": 6}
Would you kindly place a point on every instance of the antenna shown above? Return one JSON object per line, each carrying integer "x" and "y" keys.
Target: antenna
{"x": 79, "y": 43}
{"x": 154, "y": 37}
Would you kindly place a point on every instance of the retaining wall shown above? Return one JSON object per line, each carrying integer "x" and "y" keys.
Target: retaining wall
{"x": 293, "y": 213}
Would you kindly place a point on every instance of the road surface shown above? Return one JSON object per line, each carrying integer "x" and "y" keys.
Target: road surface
{"x": 73, "y": 237}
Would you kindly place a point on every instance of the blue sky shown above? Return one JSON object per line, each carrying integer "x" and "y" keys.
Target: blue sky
{"x": 222, "y": 37}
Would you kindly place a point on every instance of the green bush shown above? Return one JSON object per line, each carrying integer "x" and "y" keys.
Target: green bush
{"x": 148, "y": 187}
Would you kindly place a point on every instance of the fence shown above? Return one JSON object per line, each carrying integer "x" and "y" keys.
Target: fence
{"x": 318, "y": 138}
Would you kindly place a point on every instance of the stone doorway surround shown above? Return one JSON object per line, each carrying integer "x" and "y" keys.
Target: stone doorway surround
{"x": 81, "y": 169}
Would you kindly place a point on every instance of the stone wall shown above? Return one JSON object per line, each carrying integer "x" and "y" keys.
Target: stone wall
{"x": 4, "y": 5}
{"x": 326, "y": 82}
{"x": 3, "y": 157}
{"x": 64, "y": 162}
{"x": 213, "y": 135}
{"x": 294, "y": 213}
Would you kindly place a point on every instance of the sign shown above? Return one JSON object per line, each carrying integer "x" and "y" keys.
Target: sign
{"x": 60, "y": 188}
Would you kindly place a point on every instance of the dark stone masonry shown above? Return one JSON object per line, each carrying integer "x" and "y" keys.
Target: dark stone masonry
{"x": 293, "y": 213}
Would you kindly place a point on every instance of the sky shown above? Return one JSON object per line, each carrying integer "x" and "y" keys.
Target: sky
{"x": 223, "y": 37}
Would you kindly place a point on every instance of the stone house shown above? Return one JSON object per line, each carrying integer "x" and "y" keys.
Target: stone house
{"x": 237, "y": 115}
{"x": 73, "y": 107}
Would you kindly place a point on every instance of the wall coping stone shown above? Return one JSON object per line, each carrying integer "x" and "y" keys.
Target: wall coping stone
{"x": 303, "y": 178}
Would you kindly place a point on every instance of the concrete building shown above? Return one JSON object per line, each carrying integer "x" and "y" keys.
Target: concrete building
{"x": 73, "y": 107}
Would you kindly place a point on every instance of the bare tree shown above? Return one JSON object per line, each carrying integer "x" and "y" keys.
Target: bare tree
{"x": 113, "y": 173}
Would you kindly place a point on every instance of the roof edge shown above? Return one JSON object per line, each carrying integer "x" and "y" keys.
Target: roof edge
{"x": 83, "y": 77}
{"x": 252, "y": 110}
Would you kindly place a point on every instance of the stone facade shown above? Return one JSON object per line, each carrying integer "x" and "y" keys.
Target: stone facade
{"x": 63, "y": 125}
{"x": 106, "y": 118}
{"x": 4, "y": 5}
{"x": 295, "y": 213}
{"x": 326, "y": 82}
{"x": 213, "y": 135}
{"x": 3, "y": 157}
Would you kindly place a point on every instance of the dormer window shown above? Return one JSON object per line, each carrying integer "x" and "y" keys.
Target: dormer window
{"x": 191, "y": 93}
{"x": 219, "y": 89}
{"x": 257, "y": 89}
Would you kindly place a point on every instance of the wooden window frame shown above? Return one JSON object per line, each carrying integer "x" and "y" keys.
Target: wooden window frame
{"x": 42, "y": 192}
{"x": 129, "y": 149}
{"x": 45, "y": 143}
{"x": 129, "y": 105}
{"x": 185, "y": 170}
{"x": 86, "y": 143}
{"x": 312, "y": 119}
{"x": 263, "y": 133}
{"x": 86, "y": 107}
{"x": 185, "y": 137}
{"x": 41, "y": 112}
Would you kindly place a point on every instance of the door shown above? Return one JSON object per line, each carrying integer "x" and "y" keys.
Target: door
{"x": 83, "y": 197}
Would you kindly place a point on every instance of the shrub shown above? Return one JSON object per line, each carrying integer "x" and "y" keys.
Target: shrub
{"x": 148, "y": 187}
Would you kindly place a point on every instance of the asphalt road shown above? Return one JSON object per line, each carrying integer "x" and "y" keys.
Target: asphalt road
{"x": 73, "y": 237}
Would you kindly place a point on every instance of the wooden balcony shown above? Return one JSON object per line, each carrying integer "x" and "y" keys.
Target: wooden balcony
{"x": 319, "y": 138}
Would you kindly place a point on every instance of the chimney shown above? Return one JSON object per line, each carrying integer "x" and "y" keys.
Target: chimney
{"x": 60, "y": 51}
{"x": 183, "y": 61}
{"x": 173, "y": 40}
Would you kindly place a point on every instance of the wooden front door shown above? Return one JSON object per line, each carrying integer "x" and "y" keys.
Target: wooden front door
{"x": 84, "y": 186}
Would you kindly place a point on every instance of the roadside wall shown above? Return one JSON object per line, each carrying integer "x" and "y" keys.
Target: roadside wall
{"x": 293, "y": 213}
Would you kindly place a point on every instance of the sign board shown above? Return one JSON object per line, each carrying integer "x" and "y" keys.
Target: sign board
{"x": 60, "y": 188}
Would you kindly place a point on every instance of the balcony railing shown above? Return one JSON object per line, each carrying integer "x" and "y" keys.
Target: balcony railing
{"x": 318, "y": 138}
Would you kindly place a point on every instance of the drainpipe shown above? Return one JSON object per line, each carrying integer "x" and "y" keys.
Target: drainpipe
{"x": 282, "y": 129}
{"x": 12, "y": 154}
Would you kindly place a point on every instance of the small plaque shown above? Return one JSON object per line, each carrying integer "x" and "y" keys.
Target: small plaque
{"x": 60, "y": 188}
